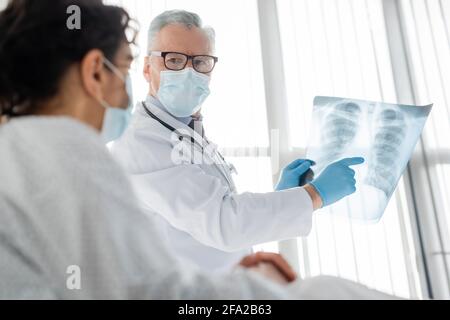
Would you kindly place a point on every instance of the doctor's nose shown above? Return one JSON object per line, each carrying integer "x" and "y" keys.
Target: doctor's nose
{"x": 189, "y": 64}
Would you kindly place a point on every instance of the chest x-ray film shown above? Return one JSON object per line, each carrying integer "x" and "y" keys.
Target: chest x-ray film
{"x": 384, "y": 134}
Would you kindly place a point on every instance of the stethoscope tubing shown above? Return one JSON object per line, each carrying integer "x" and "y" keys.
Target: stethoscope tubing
{"x": 182, "y": 137}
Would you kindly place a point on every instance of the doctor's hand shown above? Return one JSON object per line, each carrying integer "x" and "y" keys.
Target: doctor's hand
{"x": 337, "y": 181}
{"x": 292, "y": 174}
{"x": 271, "y": 265}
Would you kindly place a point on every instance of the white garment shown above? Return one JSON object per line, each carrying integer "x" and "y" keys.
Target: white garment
{"x": 203, "y": 218}
{"x": 64, "y": 201}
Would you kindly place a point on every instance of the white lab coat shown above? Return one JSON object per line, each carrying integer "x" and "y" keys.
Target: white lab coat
{"x": 65, "y": 202}
{"x": 203, "y": 218}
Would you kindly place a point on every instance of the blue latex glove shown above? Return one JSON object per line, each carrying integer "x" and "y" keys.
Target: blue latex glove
{"x": 337, "y": 180}
{"x": 291, "y": 175}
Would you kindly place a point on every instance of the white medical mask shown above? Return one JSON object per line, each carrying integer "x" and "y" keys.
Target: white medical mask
{"x": 116, "y": 120}
{"x": 183, "y": 92}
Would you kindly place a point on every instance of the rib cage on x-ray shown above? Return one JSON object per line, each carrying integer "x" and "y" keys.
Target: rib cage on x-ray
{"x": 384, "y": 134}
{"x": 340, "y": 128}
{"x": 390, "y": 131}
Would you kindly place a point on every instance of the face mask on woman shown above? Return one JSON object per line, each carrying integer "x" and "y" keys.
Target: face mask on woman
{"x": 116, "y": 119}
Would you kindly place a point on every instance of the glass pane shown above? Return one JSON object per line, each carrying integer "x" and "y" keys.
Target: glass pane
{"x": 430, "y": 54}
{"x": 235, "y": 113}
{"x": 339, "y": 48}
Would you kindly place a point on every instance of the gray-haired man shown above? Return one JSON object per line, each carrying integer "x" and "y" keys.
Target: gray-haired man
{"x": 178, "y": 173}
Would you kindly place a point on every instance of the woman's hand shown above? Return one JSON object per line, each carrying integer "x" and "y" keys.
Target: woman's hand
{"x": 271, "y": 265}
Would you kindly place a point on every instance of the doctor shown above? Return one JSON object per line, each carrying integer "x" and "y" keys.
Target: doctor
{"x": 178, "y": 172}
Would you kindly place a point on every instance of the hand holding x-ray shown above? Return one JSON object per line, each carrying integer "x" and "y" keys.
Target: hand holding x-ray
{"x": 383, "y": 134}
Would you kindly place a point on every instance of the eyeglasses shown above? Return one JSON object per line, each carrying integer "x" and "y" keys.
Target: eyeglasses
{"x": 115, "y": 69}
{"x": 131, "y": 34}
{"x": 178, "y": 61}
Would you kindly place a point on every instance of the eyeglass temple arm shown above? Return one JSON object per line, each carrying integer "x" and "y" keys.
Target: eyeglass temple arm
{"x": 155, "y": 53}
{"x": 114, "y": 69}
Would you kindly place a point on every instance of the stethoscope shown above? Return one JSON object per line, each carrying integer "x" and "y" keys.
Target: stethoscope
{"x": 217, "y": 155}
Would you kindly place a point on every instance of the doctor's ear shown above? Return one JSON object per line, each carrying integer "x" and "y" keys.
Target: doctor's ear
{"x": 93, "y": 73}
{"x": 147, "y": 69}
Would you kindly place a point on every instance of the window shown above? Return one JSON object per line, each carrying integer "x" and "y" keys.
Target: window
{"x": 237, "y": 92}
{"x": 426, "y": 27}
{"x": 340, "y": 48}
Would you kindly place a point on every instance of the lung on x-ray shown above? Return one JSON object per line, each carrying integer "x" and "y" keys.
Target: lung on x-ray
{"x": 384, "y": 134}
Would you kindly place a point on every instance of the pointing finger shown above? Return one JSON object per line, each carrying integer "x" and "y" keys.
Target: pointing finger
{"x": 352, "y": 161}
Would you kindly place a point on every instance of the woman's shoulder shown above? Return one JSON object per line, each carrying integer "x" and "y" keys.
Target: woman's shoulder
{"x": 53, "y": 147}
